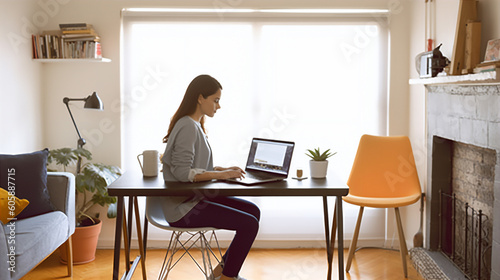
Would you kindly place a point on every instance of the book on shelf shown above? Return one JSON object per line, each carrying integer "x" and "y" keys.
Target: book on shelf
{"x": 77, "y": 29}
{"x": 81, "y": 38}
{"x": 73, "y": 40}
{"x": 487, "y": 66}
{"x": 82, "y": 49}
{"x": 46, "y": 45}
{"x": 79, "y": 32}
{"x": 485, "y": 69}
{"x": 74, "y": 26}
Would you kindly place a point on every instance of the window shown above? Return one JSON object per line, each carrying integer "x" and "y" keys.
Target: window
{"x": 317, "y": 81}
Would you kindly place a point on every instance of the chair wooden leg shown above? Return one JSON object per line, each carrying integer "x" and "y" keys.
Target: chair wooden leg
{"x": 69, "y": 254}
{"x": 402, "y": 242}
{"x": 354, "y": 241}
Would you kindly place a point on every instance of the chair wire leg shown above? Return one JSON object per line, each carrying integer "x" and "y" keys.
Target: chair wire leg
{"x": 194, "y": 239}
{"x": 201, "y": 247}
{"x": 218, "y": 247}
{"x": 209, "y": 253}
{"x": 161, "y": 275}
{"x": 197, "y": 240}
{"x": 354, "y": 241}
{"x": 170, "y": 262}
{"x": 206, "y": 257}
{"x": 167, "y": 262}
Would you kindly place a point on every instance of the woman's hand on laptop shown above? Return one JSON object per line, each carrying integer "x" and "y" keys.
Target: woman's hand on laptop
{"x": 230, "y": 172}
{"x": 220, "y": 173}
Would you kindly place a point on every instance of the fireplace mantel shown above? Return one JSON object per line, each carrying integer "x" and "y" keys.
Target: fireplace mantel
{"x": 484, "y": 78}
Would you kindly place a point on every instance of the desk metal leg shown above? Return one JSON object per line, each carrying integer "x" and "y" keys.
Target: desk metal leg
{"x": 118, "y": 235}
{"x": 129, "y": 226}
{"x": 139, "y": 238}
{"x": 329, "y": 249}
{"x": 126, "y": 242}
{"x": 334, "y": 231}
{"x": 340, "y": 224}
{"x": 122, "y": 225}
{"x": 337, "y": 227}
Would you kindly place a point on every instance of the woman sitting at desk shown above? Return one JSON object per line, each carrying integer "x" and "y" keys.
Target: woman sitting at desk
{"x": 188, "y": 158}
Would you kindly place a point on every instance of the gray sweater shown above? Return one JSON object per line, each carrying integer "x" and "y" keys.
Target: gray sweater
{"x": 186, "y": 155}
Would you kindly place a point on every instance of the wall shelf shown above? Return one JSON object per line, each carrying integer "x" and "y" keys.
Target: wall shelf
{"x": 491, "y": 77}
{"x": 58, "y": 60}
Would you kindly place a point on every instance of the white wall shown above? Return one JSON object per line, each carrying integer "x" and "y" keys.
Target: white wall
{"x": 78, "y": 80}
{"x": 20, "y": 81}
{"x": 46, "y": 123}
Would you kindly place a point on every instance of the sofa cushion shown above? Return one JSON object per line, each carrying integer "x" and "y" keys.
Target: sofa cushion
{"x": 41, "y": 230}
{"x": 26, "y": 176}
{"x": 10, "y": 206}
{"x": 35, "y": 238}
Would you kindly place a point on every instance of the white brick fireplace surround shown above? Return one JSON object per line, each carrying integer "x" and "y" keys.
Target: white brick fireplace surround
{"x": 468, "y": 114}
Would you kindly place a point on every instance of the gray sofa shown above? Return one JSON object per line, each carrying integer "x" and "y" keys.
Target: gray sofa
{"x": 37, "y": 237}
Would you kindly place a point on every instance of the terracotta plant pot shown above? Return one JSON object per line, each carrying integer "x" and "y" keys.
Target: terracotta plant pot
{"x": 84, "y": 244}
{"x": 318, "y": 168}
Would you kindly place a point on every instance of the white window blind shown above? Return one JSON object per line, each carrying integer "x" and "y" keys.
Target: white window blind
{"x": 320, "y": 82}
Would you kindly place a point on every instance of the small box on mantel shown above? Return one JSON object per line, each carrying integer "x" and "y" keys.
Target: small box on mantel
{"x": 492, "y": 50}
{"x": 491, "y": 58}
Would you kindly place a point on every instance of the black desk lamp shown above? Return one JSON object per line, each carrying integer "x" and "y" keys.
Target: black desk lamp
{"x": 91, "y": 102}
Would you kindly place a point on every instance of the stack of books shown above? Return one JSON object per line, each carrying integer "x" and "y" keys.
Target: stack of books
{"x": 487, "y": 66}
{"x": 73, "y": 40}
{"x": 491, "y": 58}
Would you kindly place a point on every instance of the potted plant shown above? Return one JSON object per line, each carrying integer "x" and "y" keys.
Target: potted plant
{"x": 92, "y": 180}
{"x": 319, "y": 163}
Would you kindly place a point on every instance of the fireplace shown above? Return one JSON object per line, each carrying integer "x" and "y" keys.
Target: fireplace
{"x": 463, "y": 190}
{"x": 463, "y": 176}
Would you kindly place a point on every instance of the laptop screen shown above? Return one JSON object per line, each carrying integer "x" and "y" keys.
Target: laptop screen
{"x": 270, "y": 156}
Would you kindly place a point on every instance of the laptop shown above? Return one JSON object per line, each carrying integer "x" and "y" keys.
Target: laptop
{"x": 268, "y": 161}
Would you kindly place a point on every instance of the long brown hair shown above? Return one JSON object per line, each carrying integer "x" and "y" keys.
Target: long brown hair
{"x": 203, "y": 85}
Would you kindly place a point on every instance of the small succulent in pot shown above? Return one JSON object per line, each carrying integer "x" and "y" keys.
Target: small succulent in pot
{"x": 319, "y": 163}
{"x": 316, "y": 154}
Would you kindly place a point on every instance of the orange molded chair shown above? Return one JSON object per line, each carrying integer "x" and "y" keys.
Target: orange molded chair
{"x": 383, "y": 175}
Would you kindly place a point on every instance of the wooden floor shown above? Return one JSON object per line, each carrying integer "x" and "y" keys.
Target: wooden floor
{"x": 282, "y": 264}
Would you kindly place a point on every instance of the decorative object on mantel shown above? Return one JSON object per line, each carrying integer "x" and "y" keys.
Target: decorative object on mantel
{"x": 487, "y": 67}
{"x": 491, "y": 58}
{"x": 467, "y": 13}
{"x": 487, "y": 72}
{"x": 492, "y": 51}
{"x": 430, "y": 23}
{"x": 472, "y": 46}
{"x": 429, "y": 64}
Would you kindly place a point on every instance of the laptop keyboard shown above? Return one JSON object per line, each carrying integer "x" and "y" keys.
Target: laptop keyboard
{"x": 258, "y": 176}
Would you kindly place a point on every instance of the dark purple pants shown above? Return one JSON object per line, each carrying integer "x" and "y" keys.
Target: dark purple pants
{"x": 227, "y": 213}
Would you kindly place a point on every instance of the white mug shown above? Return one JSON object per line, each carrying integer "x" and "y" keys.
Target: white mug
{"x": 150, "y": 165}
